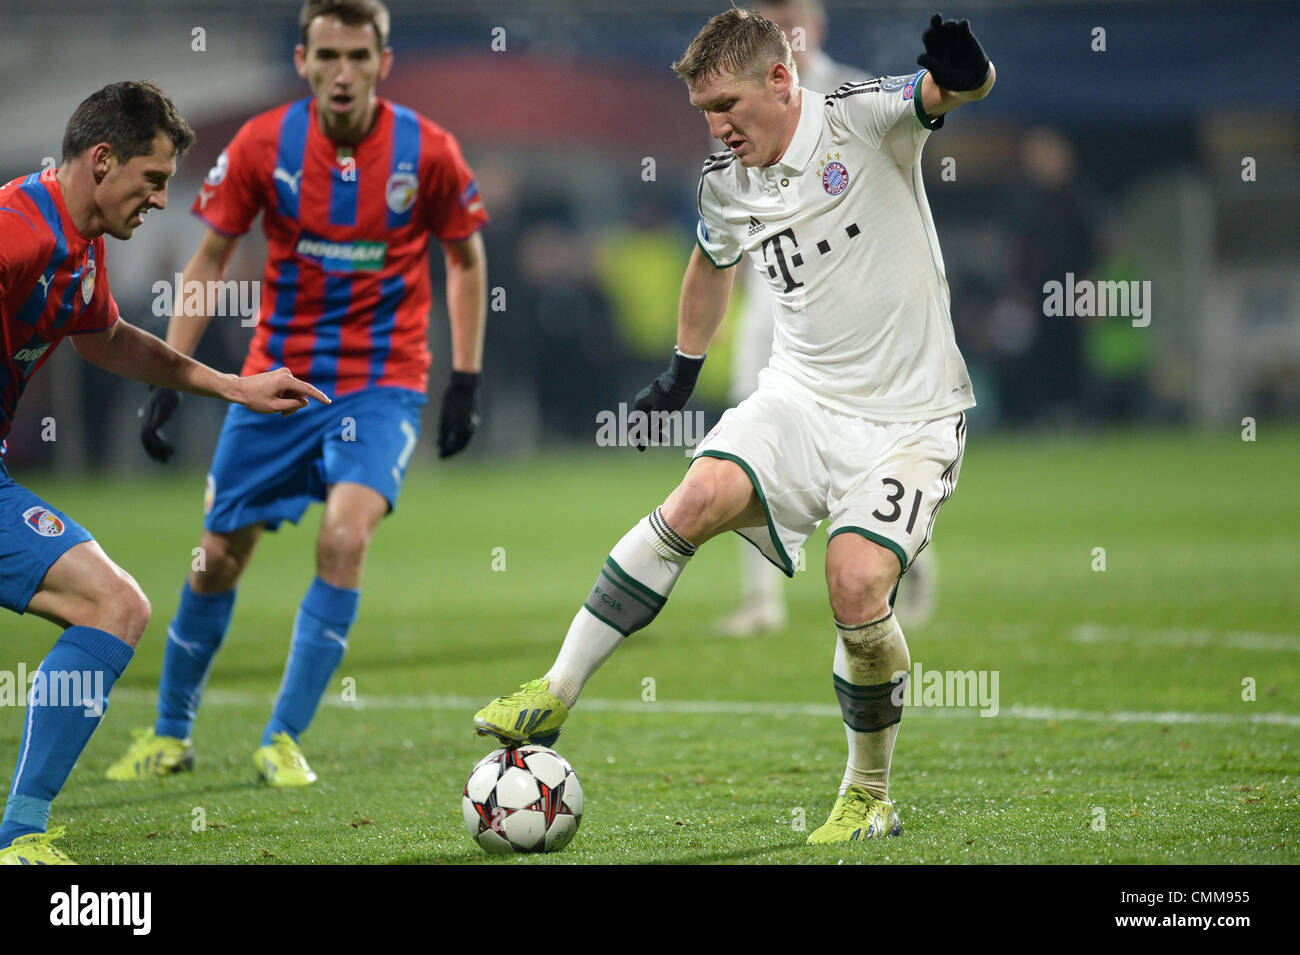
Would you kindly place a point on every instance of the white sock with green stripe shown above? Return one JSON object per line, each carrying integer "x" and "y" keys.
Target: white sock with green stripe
{"x": 866, "y": 658}
{"x": 632, "y": 588}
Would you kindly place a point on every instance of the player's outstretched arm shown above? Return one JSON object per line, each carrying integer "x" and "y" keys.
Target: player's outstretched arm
{"x": 466, "y": 263}
{"x": 186, "y": 327}
{"x": 958, "y": 71}
{"x": 133, "y": 353}
{"x": 705, "y": 291}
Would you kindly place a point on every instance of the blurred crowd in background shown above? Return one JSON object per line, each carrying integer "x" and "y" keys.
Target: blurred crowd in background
{"x": 1124, "y": 163}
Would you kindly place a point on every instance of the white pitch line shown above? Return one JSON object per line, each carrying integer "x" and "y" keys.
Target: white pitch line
{"x": 1017, "y": 711}
{"x": 1211, "y": 639}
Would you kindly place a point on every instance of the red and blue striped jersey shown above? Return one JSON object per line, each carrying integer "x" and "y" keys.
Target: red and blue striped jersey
{"x": 53, "y": 282}
{"x": 346, "y": 292}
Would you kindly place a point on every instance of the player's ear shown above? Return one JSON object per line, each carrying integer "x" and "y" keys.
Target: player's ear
{"x": 779, "y": 78}
{"x": 101, "y": 160}
{"x": 300, "y": 60}
{"x": 385, "y": 62}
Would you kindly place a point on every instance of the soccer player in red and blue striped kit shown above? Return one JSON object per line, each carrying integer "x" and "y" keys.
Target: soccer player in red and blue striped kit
{"x": 350, "y": 187}
{"x": 119, "y": 150}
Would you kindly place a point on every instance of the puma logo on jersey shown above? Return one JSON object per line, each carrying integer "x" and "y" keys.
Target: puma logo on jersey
{"x": 44, "y": 282}
{"x": 755, "y": 227}
{"x": 291, "y": 181}
{"x": 31, "y": 354}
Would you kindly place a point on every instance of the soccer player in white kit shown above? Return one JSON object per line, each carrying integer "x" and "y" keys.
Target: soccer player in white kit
{"x": 858, "y": 420}
{"x": 762, "y": 607}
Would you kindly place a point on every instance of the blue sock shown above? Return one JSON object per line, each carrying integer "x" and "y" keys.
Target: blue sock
{"x": 193, "y": 638}
{"x": 67, "y": 700}
{"x": 320, "y": 637}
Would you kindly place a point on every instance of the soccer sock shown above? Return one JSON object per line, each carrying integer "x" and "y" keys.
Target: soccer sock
{"x": 632, "y": 588}
{"x": 866, "y": 658}
{"x": 68, "y": 698}
{"x": 320, "y": 638}
{"x": 193, "y": 639}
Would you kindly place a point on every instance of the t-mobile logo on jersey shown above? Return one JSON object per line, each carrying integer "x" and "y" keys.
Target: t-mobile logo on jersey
{"x": 774, "y": 256}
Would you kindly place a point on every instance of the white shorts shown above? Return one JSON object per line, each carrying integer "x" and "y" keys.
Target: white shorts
{"x": 808, "y": 464}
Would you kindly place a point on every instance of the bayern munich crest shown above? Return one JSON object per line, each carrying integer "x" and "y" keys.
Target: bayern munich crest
{"x": 835, "y": 178}
{"x": 43, "y": 521}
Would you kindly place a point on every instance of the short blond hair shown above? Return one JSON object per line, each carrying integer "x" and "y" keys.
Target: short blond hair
{"x": 739, "y": 43}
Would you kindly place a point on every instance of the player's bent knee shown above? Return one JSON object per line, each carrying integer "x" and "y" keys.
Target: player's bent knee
{"x": 713, "y": 493}
{"x": 134, "y": 614}
{"x": 859, "y": 593}
{"x": 115, "y": 604}
{"x": 343, "y": 544}
{"x": 221, "y": 563}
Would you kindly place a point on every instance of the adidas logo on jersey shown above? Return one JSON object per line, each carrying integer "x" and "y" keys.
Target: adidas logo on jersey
{"x": 755, "y": 227}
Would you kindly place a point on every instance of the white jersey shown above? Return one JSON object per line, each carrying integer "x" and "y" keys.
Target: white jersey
{"x": 840, "y": 230}
{"x": 752, "y": 328}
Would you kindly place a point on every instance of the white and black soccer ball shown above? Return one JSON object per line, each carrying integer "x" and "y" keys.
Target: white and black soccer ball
{"x": 522, "y": 799}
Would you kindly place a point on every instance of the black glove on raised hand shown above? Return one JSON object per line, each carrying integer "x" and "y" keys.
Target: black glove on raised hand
{"x": 459, "y": 413}
{"x": 162, "y": 404}
{"x": 953, "y": 56}
{"x": 671, "y": 390}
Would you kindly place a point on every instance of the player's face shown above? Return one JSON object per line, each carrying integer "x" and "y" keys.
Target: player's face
{"x": 131, "y": 190}
{"x": 747, "y": 116}
{"x": 342, "y": 63}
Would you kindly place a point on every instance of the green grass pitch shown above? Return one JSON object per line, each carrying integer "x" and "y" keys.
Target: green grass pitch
{"x": 1122, "y": 736}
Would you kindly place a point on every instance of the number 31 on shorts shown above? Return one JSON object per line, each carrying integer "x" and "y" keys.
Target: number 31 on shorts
{"x": 896, "y": 503}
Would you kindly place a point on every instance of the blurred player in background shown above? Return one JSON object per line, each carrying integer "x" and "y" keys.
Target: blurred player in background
{"x": 859, "y": 419}
{"x": 762, "y": 606}
{"x": 351, "y": 187}
{"x": 119, "y": 150}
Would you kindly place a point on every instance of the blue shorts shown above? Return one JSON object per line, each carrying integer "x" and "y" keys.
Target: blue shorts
{"x": 33, "y": 536}
{"x": 268, "y": 469}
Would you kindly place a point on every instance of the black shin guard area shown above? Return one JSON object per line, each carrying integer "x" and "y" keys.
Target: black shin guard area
{"x": 867, "y": 709}
{"x": 625, "y": 604}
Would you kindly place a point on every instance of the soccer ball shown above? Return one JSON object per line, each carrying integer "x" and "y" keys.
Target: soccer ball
{"x": 522, "y": 799}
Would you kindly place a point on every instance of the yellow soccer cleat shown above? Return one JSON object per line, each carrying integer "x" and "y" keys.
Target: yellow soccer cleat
{"x": 35, "y": 850}
{"x": 531, "y": 714}
{"x": 282, "y": 764}
{"x": 150, "y": 755}
{"x": 857, "y": 815}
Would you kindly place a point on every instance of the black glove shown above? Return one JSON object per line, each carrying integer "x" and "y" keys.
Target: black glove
{"x": 671, "y": 390}
{"x": 953, "y": 56}
{"x": 459, "y": 413}
{"x": 162, "y": 404}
